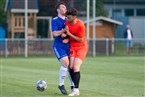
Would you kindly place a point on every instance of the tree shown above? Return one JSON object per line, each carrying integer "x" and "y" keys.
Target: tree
{"x": 2, "y": 12}
{"x": 100, "y": 11}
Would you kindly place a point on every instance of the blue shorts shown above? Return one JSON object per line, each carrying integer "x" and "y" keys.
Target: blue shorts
{"x": 129, "y": 43}
{"x": 61, "y": 52}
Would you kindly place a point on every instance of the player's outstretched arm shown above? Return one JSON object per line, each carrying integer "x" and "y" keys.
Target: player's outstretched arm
{"x": 58, "y": 33}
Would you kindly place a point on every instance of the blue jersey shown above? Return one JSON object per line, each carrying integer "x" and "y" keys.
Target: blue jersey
{"x": 60, "y": 49}
{"x": 58, "y": 24}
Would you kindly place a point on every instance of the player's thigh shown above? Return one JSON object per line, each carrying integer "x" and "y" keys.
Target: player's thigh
{"x": 77, "y": 64}
{"x": 65, "y": 61}
{"x": 71, "y": 62}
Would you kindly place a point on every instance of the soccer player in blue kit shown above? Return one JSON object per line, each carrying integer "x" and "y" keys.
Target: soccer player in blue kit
{"x": 61, "y": 46}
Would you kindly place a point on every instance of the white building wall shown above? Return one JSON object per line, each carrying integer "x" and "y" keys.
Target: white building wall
{"x": 138, "y": 27}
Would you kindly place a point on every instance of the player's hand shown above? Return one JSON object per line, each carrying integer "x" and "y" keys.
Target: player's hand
{"x": 63, "y": 35}
{"x": 67, "y": 30}
{"x": 65, "y": 40}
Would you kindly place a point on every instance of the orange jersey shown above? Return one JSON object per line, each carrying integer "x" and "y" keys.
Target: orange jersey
{"x": 78, "y": 49}
{"x": 77, "y": 29}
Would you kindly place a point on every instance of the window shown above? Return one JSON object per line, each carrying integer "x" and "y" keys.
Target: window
{"x": 129, "y": 12}
{"x": 140, "y": 12}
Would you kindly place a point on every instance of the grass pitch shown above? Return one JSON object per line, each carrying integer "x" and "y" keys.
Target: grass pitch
{"x": 100, "y": 77}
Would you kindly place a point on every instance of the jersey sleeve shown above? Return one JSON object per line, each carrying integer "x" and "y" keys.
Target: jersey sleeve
{"x": 54, "y": 26}
{"x": 81, "y": 31}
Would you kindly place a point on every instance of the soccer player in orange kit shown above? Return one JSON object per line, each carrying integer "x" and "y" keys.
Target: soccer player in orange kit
{"x": 75, "y": 29}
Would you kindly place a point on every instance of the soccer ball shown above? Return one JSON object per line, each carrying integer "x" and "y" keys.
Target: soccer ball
{"x": 41, "y": 85}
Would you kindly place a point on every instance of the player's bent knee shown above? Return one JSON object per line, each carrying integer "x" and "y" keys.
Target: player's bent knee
{"x": 76, "y": 68}
{"x": 65, "y": 61}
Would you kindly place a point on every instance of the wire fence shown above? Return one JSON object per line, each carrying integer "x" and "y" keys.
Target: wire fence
{"x": 43, "y": 47}
{"x": 105, "y": 47}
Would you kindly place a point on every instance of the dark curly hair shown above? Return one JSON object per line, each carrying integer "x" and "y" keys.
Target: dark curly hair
{"x": 72, "y": 11}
